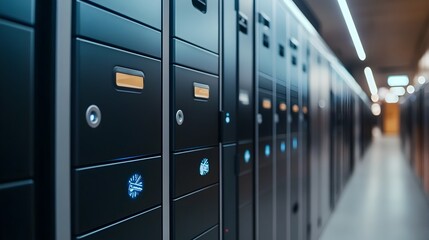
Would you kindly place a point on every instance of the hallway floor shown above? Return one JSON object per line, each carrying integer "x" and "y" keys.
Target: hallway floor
{"x": 383, "y": 199}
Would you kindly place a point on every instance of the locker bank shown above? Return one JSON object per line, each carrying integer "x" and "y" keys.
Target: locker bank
{"x": 178, "y": 119}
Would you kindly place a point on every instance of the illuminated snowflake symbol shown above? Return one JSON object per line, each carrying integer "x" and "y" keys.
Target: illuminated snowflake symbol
{"x": 135, "y": 185}
{"x": 204, "y": 167}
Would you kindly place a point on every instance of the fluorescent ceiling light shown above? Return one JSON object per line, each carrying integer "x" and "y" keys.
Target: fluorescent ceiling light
{"x": 398, "y": 80}
{"x": 376, "y": 109}
{"x": 371, "y": 82}
{"x": 392, "y": 98}
{"x": 421, "y": 79}
{"x": 375, "y": 98}
{"x": 411, "y": 89}
{"x": 352, "y": 29}
{"x": 400, "y": 91}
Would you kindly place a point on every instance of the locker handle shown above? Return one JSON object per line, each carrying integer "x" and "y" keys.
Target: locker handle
{"x": 281, "y": 50}
{"x": 200, "y": 5}
{"x": 266, "y": 40}
{"x": 242, "y": 22}
{"x": 293, "y": 43}
{"x": 128, "y": 79}
{"x": 295, "y": 208}
{"x": 264, "y": 20}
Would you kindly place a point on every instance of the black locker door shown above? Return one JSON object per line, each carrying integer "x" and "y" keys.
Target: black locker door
{"x": 245, "y": 122}
{"x": 17, "y": 122}
{"x": 116, "y": 120}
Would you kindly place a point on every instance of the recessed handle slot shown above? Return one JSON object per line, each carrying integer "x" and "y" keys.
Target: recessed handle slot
{"x": 200, "y": 5}
{"x": 266, "y": 40}
{"x": 281, "y": 50}
{"x": 128, "y": 79}
{"x": 242, "y": 23}
{"x": 201, "y": 91}
{"x": 293, "y": 43}
{"x": 295, "y": 208}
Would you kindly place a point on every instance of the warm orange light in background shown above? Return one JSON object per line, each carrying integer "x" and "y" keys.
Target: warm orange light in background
{"x": 391, "y": 118}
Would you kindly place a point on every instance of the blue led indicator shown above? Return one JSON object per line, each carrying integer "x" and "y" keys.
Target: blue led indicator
{"x": 282, "y": 146}
{"x": 247, "y": 156}
{"x": 267, "y": 150}
{"x": 227, "y": 118}
{"x": 295, "y": 143}
{"x": 204, "y": 167}
{"x": 135, "y": 185}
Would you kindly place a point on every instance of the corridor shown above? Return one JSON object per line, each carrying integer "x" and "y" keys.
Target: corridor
{"x": 383, "y": 199}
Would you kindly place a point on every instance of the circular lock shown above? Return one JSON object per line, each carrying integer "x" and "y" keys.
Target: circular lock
{"x": 93, "y": 116}
{"x": 180, "y": 117}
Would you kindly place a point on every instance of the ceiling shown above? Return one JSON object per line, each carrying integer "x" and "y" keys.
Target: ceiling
{"x": 394, "y": 34}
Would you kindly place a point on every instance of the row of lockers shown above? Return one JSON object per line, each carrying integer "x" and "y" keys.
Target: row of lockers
{"x": 261, "y": 132}
{"x": 414, "y": 132}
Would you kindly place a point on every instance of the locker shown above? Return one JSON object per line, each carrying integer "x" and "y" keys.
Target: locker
{"x": 194, "y": 170}
{"x": 229, "y": 66}
{"x": 195, "y": 111}
{"x": 17, "y": 208}
{"x": 108, "y": 193}
{"x": 22, "y": 11}
{"x": 147, "y": 224}
{"x": 265, "y": 36}
{"x": 246, "y": 214}
{"x": 16, "y": 101}
{"x": 195, "y": 213}
{"x": 115, "y": 120}
{"x": 265, "y": 116}
{"x": 147, "y": 12}
{"x": 187, "y": 55}
{"x": 101, "y": 25}
{"x": 197, "y": 22}
{"x": 281, "y": 48}
{"x": 229, "y": 194}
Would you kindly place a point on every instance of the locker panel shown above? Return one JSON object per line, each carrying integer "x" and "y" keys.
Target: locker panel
{"x": 245, "y": 77}
{"x": 108, "y": 193}
{"x": 101, "y": 25}
{"x": 147, "y": 225}
{"x": 265, "y": 116}
{"x": 17, "y": 208}
{"x": 16, "y": 101}
{"x": 197, "y": 22}
{"x": 194, "y": 170}
{"x": 144, "y": 11}
{"x": 229, "y": 65}
{"x": 281, "y": 111}
{"x": 229, "y": 196}
{"x": 188, "y": 55}
{"x": 264, "y": 37}
{"x": 281, "y": 186}
{"x": 281, "y": 44}
{"x": 196, "y": 109}
{"x": 195, "y": 213}
{"x": 23, "y": 10}
{"x": 112, "y": 122}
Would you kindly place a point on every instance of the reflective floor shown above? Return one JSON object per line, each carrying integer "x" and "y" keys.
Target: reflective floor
{"x": 383, "y": 199}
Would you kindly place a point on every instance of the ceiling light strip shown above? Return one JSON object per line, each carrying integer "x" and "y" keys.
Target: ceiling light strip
{"x": 352, "y": 29}
{"x": 371, "y": 82}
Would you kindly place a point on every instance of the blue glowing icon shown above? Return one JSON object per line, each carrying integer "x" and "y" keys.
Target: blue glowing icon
{"x": 247, "y": 156}
{"x": 204, "y": 167}
{"x": 267, "y": 150}
{"x": 282, "y": 146}
{"x": 227, "y": 118}
{"x": 295, "y": 143}
{"x": 135, "y": 185}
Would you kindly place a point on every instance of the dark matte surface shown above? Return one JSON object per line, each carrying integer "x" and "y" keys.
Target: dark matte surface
{"x": 188, "y": 55}
{"x": 16, "y": 101}
{"x": 145, "y": 11}
{"x": 104, "y": 26}
{"x": 186, "y": 170}
{"x": 130, "y": 122}
{"x": 17, "y": 213}
{"x": 101, "y": 193}
{"x": 200, "y": 127}
{"x": 148, "y": 226}
{"x": 196, "y": 213}
{"x": 20, "y": 10}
